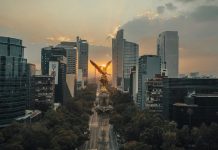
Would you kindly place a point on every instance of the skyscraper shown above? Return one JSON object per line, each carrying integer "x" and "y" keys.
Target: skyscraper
{"x": 83, "y": 56}
{"x": 168, "y": 50}
{"x": 58, "y": 69}
{"x": 124, "y": 58}
{"x": 13, "y": 80}
{"x": 117, "y": 58}
{"x": 47, "y": 53}
{"x": 72, "y": 56}
{"x": 149, "y": 66}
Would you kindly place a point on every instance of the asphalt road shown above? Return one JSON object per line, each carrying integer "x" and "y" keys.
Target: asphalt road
{"x": 94, "y": 131}
{"x": 101, "y": 133}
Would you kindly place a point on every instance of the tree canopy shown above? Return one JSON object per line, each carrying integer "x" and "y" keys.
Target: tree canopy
{"x": 141, "y": 130}
{"x": 63, "y": 129}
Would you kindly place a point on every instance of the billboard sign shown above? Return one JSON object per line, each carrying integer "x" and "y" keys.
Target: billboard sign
{"x": 53, "y": 70}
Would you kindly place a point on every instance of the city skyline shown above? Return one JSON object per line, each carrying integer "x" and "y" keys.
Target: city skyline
{"x": 108, "y": 74}
{"x": 96, "y": 21}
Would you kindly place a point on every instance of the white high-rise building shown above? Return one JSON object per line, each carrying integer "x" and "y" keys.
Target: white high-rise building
{"x": 168, "y": 50}
{"x": 124, "y": 58}
{"x": 149, "y": 66}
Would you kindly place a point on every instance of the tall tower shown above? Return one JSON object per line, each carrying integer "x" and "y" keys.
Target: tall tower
{"x": 168, "y": 50}
{"x": 13, "y": 80}
{"x": 71, "y": 54}
{"x": 117, "y": 58}
{"x": 149, "y": 66}
{"x": 83, "y": 56}
{"x": 124, "y": 58}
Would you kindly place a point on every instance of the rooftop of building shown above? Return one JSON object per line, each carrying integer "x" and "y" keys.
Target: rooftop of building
{"x": 52, "y": 48}
{"x": 29, "y": 114}
{"x": 67, "y": 44}
{"x": 192, "y": 78}
{"x": 168, "y": 32}
{"x": 206, "y": 95}
{"x": 11, "y": 41}
{"x": 42, "y": 76}
{"x": 5, "y": 37}
{"x": 184, "y": 105}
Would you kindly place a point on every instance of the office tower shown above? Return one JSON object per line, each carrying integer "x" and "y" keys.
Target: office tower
{"x": 149, "y": 66}
{"x": 31, "y": 71}
{"x": 13, "y": 76}
{"x": 72, "y": 65}
{"x": 175, "y": 90}
{"x": 117, "y": 58}
{"x": 124, "y": 58}
{"x": 168, "y": 50}
{"x": 43, "y": 91}
{"x": 58, "y": 69}
{"x": 46, "y": 54}
{"x": 83, "y": 56}
{"x": 71, "y": 53}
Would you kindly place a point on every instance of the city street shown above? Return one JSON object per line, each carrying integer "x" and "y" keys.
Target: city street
{"x": 101, "y": 132}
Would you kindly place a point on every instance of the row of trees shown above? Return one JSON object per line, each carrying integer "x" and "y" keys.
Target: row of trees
{"x": 63, "y": 129}
{"x": 140, "y": 130}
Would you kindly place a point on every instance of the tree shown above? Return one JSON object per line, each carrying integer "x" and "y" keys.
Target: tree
{"x": 134, "y": 145}
{"x": 65, "y": 140}
{"x": 169, "y": 140}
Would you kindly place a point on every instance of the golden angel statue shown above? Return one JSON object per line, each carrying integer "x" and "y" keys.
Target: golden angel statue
{"x": 103, "y": 71}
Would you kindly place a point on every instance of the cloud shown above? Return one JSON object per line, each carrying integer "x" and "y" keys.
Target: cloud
{"x": 151, "y": 15}
{"x": 185, "y": 1}
{"x": 198, "y": 35}
{"x": 205, "y": 13}
{"x": 170, "y": 6}
{"x": 160, "y": 9}
{"x": 113, "y": 33}
{"x": 58, "y": 38}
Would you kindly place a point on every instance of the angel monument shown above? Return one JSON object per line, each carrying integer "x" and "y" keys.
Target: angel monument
{"x": 103, "y": 71}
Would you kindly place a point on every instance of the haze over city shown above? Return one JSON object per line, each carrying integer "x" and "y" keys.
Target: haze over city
{"x": 47, "y": 22}
{"x": 108, "y": 75}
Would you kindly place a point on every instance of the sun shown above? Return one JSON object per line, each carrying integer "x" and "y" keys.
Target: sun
{"x": 103, "y": 65}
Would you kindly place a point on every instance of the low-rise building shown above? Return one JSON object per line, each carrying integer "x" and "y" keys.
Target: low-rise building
{"x": 197, "y": 109}
{"x": 153, "y": 94}
{"x": 43, "y": 93}
{"x": 176, "y": 90}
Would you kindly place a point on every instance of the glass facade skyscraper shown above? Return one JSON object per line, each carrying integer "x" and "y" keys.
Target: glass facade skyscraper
{"x": 13, "y": 76}
{"x": 168, "y": 50}
{"x": 124, "y": 58}
{"x": 149, "y": 66}
{"x": 83, "y": 56}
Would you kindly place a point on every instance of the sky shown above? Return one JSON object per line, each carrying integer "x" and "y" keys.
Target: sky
{"x": 41, "y": 23}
